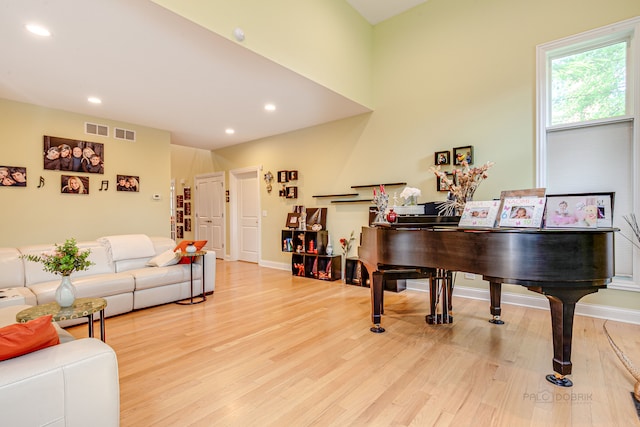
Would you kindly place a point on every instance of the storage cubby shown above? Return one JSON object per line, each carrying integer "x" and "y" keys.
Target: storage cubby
{"x": 309, "y": 254}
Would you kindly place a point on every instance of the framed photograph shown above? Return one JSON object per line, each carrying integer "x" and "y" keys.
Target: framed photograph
{"x": 283, "y": 176}
{"x": 292, "y": 193}
{"x": 73, "y": 184}
{"x": 293, "y": 220}
{"x": 480, "y": 214}
{"x": 180, "y": 232}
{"x": 442, "y": 158}
{"x": 187, "y": 193}
{"x": 71, "y": 155}
{"x": 179, "y": 201}
{"x": 292, "y": 175}
{"x": 180, "y": 216}
{"x": 187, "y": 224}
{"x": 522, "y": 212}
{"x": 442, "y": 184}
{"x": 187, "y": 209}
{"x": 582, "y": 210}
{"x": 128, "y": 183}
{"x": 13, "y": 176}
{"x": 460, "y": 154}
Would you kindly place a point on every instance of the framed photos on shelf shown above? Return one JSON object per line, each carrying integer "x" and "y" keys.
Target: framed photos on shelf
{"x": 461, "y": 154}
{"x": 582, "y": 210}
{"x": 480, "y": 214}
{"x": 442, "y": 158}
{"x": 522, "y": 212}
{"x": 293, "y": 220}
{"x": 442, "y": 184}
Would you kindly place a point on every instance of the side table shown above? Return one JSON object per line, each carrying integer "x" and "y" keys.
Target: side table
{"x": 82, "y": 307}
{"x": 193, "y": 256}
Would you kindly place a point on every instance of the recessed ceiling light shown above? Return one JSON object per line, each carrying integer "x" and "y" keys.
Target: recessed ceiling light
{"x": 38, "y": 30}
{"x": 270, "y": 107}
{"x": 94, "y": 100}
{"x": 229, "y": 131}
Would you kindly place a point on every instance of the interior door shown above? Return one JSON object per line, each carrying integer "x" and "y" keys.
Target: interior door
{"x": 248, "y": 216}
{"x": 210, "y": 224}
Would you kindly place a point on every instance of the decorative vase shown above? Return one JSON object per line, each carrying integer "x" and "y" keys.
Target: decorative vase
{"x": 329, "y": 249}
{"x": 391, "y": 216}
{"x": 411, "y": 201}
{"x": 66, "y": 292}
{"x": 191, "y": 248}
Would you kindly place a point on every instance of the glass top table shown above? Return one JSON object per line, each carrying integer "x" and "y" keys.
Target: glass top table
{"x": 81, "y": 307}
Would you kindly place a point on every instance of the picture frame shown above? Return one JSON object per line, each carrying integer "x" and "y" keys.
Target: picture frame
{"x": 316, "y": 219}
{"x": 13, "y": 176}
{"x": 292, "y": 175}
{"x": 579, "y": 210}
{"x": 292, "y": 193}
{"x": 480, "y": 214}
{"x": 71, "y": 155}
{"x": 442, "y": 158}
{"x": 525, "y": 212}
{"x": 283, "y": 176}
{"x": 293, "y": 220}
{"x": 461, "y": 154}
{"x": 187, "y": 209}
{"x": 441, "y": 184}
{"x": 187, "y": 193}
{"x": 128, "y": 183}
{"x": 74, "y": 184}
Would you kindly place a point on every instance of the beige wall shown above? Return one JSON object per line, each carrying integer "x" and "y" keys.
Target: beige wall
{"x": 34, "y": 215}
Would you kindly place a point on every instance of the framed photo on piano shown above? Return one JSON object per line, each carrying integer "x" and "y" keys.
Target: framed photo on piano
{"x": 522, "y": 212}
{"x": 480, "y": 214}
{"x": 582, "y": 210}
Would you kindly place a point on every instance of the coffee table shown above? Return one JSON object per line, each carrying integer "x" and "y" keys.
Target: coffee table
{"x": 82, "y": 307}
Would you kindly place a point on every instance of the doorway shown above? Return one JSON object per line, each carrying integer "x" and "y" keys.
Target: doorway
{"x": 210, "y": 221}
{"x": 244, "y": 214}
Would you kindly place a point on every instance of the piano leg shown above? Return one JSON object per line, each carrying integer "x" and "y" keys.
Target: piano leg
{"x": 495, "y": 292}
{"x": 377, "y": 293}
{"x": 562, "y": 302}
{"x": 440, "y": 290}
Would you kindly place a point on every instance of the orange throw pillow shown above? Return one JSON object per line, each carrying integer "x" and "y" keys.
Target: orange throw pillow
{"x": 23, "y": 338}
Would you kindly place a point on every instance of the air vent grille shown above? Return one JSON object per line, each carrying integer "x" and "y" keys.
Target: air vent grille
{"x": 129, "y": 135}
{"x": 96, "y": 129}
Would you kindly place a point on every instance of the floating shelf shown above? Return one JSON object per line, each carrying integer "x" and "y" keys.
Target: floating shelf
{"x": 353, "y": 201}
{"x": 378, "y": 185}
{"x": 337, "y": 195}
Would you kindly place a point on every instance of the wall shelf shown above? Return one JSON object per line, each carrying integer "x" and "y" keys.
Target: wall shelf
{"x": 353, "y": 201}
{"x": 337, "y": 195}
{"x": 378, "y": 185}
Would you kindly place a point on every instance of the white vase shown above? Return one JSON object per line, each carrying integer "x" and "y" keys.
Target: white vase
{"x": 191, "y": 248}
{"x": 329, "y": 246}
{"x": 66, "y": 292}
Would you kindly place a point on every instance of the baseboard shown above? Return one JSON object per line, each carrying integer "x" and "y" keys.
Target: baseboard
{"x": 275, "y": 265}
{"x": 536, "y": 301}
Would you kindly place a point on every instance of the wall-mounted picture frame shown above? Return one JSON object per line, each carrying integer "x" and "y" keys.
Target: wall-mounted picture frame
{"x": 187, "y": 224}
{"x": 128, "y": 183}
{"x": 283, "y": 176}
{"x": 13, "y": 176}
{"x": 461, "y": 154}
{"x": 187, "y": 209}
{"x": 71, "y": 155}
{"x": 179, "y": 201}
{"x": 187, "y": 193}
{"x": 74, "y": 184}
{"x": 180, "y": 232}
{"x": 441, "y": 184}
{"x": 442, "y": 158}
{"x": 292, "y": 175}
{"x": 293, "y": 220}
{"x": 292, "y": 193}
{"x": 180, "y": 216}
{"x": 579, "y": 210}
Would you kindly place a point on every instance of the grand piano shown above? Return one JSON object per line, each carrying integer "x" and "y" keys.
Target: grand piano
{"x": 562, "y": 264}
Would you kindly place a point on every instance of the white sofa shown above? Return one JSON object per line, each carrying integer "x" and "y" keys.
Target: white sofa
{"x": 72, "y": 384}
{"x": 120, "y": 274}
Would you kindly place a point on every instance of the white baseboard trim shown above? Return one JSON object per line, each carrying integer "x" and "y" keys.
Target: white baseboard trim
{"x": 275, "y": 265}
{"x": 536, "y": 301}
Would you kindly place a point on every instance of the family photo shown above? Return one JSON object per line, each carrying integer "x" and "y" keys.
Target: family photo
{"x": 72, "y": 155}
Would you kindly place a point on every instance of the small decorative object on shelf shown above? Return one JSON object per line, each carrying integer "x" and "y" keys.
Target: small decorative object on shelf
{"x": 410, "y": 196}
{"x": 329, "y": 246}
{"x": 461, "y": 188}
{"x": 391, "y": 216}
{"x": 381, "y": 200}
{"x": 64, "y": 260}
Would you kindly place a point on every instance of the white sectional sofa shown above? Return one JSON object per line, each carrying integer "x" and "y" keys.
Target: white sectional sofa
{"x": 121, "y": 274}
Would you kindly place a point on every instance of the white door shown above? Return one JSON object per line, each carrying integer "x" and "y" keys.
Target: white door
{"x": 245, "y": 201}
{"x": 210, "y": 199}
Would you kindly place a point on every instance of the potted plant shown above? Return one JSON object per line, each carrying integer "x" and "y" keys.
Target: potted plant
{"x": 64, "y": 260}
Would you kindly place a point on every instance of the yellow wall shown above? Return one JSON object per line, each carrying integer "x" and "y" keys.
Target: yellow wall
{"x": 326, "y": 41}
{"x": 34, "y": 215}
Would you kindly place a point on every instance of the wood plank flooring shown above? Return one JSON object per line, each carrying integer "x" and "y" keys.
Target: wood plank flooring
{"x": 271, "y": 349}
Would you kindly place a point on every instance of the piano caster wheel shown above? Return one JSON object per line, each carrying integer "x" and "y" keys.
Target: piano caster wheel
{"x": 559, "y": 380}
{"x": 377, "y": 329}
{"x": 496, "y": 320}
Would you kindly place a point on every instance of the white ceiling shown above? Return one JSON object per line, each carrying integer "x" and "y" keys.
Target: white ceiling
{"x": 156, "y": 69}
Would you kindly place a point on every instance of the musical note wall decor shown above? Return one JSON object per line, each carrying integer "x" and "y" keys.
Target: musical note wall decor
{"x": 105, "y": 185}
{"x": 41, "y": 182}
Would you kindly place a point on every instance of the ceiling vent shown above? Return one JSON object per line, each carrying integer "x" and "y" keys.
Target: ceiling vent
{"x": 96, "y": 129}
{"x": 129, "y": 135}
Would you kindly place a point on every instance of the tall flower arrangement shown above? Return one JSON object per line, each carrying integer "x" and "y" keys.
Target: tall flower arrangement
{"x": 466, "y": 181}
{"x": 345, "y": 244}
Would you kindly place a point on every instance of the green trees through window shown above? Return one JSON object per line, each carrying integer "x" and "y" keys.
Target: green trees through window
{"x": 589, "y": 85}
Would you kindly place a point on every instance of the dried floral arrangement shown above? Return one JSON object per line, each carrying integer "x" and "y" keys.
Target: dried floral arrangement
{"x": 462, "y": 187}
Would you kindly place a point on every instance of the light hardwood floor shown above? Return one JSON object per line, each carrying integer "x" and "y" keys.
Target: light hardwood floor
{"x": 270, "y": 349}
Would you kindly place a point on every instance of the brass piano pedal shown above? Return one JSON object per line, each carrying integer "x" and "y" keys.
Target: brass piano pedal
{"x": 559, "y": 380}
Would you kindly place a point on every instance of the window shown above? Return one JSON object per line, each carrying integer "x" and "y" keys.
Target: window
{"x": 587, "y": 132}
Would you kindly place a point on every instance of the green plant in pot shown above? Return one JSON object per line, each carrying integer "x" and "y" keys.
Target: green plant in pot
{"x": 64, "y": 260}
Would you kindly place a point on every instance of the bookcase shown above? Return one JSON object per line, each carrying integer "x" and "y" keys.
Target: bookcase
{"x": 309, "y": 254}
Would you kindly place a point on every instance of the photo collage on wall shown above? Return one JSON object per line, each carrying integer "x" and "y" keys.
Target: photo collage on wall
{"x": 183, "y": 213}
{"x": 13, "y": 176}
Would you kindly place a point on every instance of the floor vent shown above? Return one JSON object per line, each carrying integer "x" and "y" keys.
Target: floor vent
{"x": 129, "y": 135}
{"x": 96, "y": 129}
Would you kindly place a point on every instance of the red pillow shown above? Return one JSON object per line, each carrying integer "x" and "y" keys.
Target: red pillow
{"x": 23, "y": 338}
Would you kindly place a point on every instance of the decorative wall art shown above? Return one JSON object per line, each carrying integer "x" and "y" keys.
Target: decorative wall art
{"x": 442, "y": 184}
{"x": 128, "y": 183}
{"x": 180, "y": 217}
{"x": 13, "y": 176}
{"x": 187, "y": 208}
{"x": 73, "y": 184}
{"x": 292, "y": 175}
{"x": 187, "y": 193}
{"x": 180, "y": 201}
{"x": 461, "y": 154}
{"x": 584, "y": 210}
{"x": 180, "y": 232}
{"x": 293, "y": 220}
{"x": 187, "y": 224}
{"x": 72, "y": 155}
{"x": 292, "y": 193}
{"x": 442, "y": 158}
{"x": 316, "y": 219}
{"x": 283, "y": 176}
